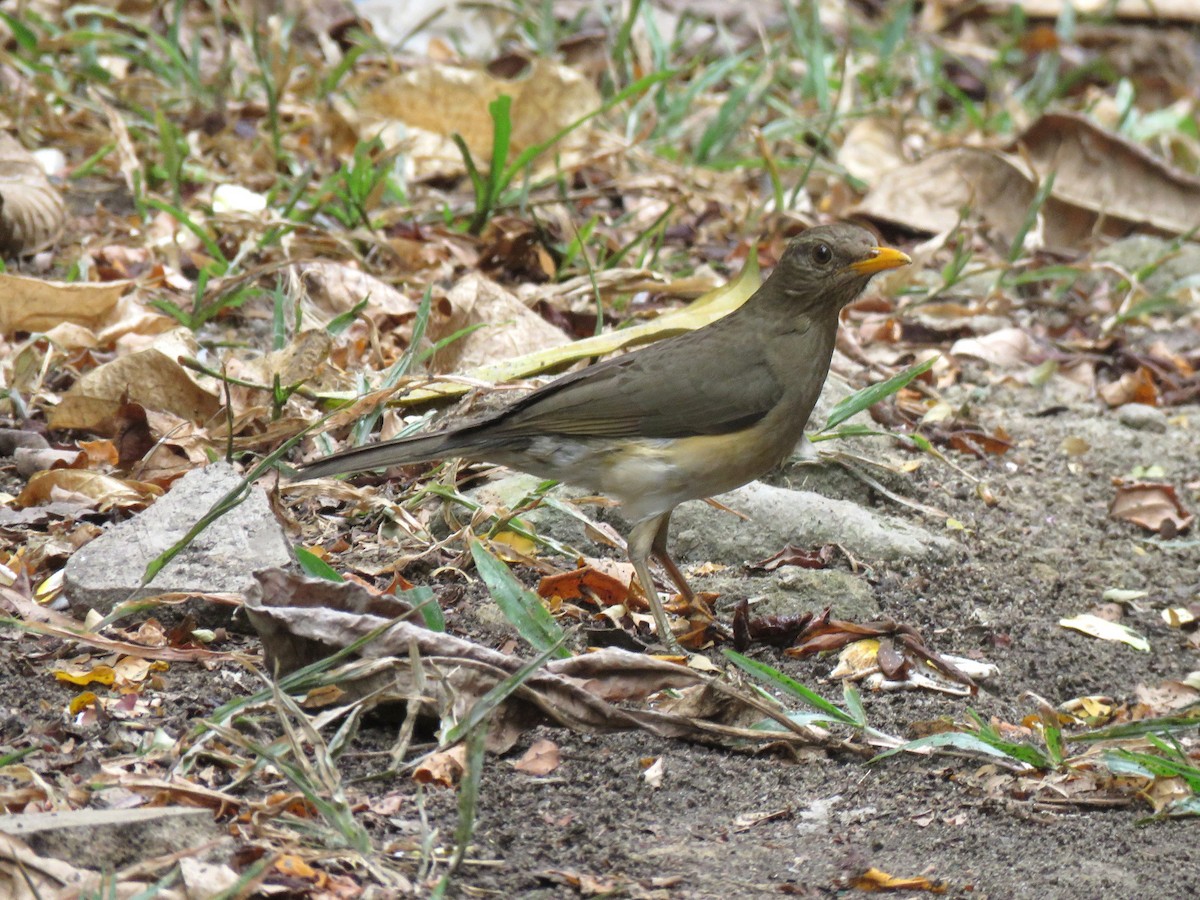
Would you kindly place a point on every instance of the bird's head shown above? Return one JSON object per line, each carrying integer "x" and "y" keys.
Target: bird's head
{"x": 828, "y": 266}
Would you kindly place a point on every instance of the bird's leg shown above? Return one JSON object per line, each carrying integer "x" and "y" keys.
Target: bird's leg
{"x": 658, "y": 550}
{"x": 641, "y": 543}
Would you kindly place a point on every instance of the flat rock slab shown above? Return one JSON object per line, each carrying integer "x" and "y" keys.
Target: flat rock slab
{"x": 792, "y": 591}
{"x": 780, "y": 516}
{"x": 110, "y": 839}
{"x": 221, "y": 559}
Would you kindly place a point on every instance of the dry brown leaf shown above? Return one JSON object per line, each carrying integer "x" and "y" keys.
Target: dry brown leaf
{"x": 106, "y": 491}
{"x": 1165, "y": 697}
{"x": 1132, "y": 387}
{"x": 509, "y": 328}
{"x": 1110, "y": 176}
{"x": 34, "y": 305}
{"x": 930, "y": 194}
{"x": 443, "y": 768}
{"x": 871, "y": 149}
{"x": 330, "y": 289}
{"x": 1155, "y": 507}
{"x": 1004, "y": 349}
{"x": 1102, "y": 182}
{"x": 437, "y": 101}
{"x": 541, "y": 758}
{"x": 153, "y": 378}
{"x": 32, "y": 212}
{"x": 297, "y": 362}
{"x": 585, "y": 583}
{"x": 26, "y": 876}
{"x": 301, "y": 620}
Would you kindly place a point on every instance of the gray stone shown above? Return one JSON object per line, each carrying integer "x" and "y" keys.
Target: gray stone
{"x": 1172, "y": 266}
{"x": 793, "y": 590}
{"x": 221, "y": 559}
{"x": 1141, "y": 417}
{"x": 112, "y": 838}
{"x": 510, "y": 491}
{"x": 779, "y": 516}
{"x": 12, "y": 438}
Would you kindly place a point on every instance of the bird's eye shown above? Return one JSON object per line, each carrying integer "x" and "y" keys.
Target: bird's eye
{"x": 822, "y": 255}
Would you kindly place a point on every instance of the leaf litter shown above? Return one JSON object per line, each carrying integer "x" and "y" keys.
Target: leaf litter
{"x": 207, "y": 306}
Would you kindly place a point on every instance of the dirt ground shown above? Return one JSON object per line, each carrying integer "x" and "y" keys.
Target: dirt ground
{"x": 726, "y": 823}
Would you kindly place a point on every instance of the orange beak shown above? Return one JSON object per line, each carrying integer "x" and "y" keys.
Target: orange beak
{"x": 880, "y": 260}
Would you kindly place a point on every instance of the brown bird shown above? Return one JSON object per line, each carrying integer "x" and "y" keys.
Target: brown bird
{"x": 688, "y": 417}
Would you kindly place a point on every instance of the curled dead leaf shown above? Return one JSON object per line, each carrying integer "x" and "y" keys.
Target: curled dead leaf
{"x": 105, "y": 491}
{"x": 35, "y": 305}
{"x": 32, "y": 212}
{"x": 436, "y": 101}
{"x": 1005, "y": 348}
{"x": 505, "y": 327}
{"x": 1153, "y": 506}
{"x": 541, "y": 758}
{"x": 1132, "y": 387}
{"x": 443, "y": 768}
{"x": 877, "y": 880}
{"x": 1102, "y": 182}
{"x": 152, "y": 377}
{"x": 586, "y": 583}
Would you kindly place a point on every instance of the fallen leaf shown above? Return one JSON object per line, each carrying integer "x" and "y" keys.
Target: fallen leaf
{"x": 1005, "y": 348}
{"x": 34, "y": 305}
{"x": 152, "y": 378}
{"x": 1137, "y": 386}
{"x": 585, "y": 583}
{"x": 105, "y": 491}
{"x": 791, "y": 555}
{"x": 541, "y": 758}
{"x": 32, "y": 212}
{"x": 1109, "y": 175}
{"x": 1155, "y": 507}
{"x": 435, "y": 101}
{"x": 1096, "y": 627}
{"x": 874, "y": 880}
{"x": 85, "y": 675}
{"x": 443, "y": 768}
{"x": 1157, "y": 11}
{"x": 508, "y": 328}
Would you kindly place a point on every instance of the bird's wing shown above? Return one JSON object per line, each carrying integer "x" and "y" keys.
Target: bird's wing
{"x": 666, "y": 390}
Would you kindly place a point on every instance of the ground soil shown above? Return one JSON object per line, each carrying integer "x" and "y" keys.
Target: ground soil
{"x": 1047, "y": 550}
{"x": 730, "y": 823}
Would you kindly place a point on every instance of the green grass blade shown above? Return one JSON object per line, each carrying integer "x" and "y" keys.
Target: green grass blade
{"x": 778, "y": 680}
{"x": 869, "y": 396}
{"x": 959, "y": 740}
{"x": 313, "y": 565}
{"x": 521, "y": 607}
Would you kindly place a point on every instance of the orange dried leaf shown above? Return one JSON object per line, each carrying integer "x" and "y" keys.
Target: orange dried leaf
{"x": 1132, "y": 387}
{"x": 290, "y": 864}
{"x": 585, "y": 583}
{"x": 444, "y": 768}
{"x": 878, "y": 880}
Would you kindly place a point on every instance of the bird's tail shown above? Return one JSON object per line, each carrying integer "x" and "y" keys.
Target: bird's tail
{"x": 401, "y": 451}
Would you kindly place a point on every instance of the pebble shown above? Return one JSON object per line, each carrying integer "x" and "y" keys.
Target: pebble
{"x": 1141, "y": 417}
